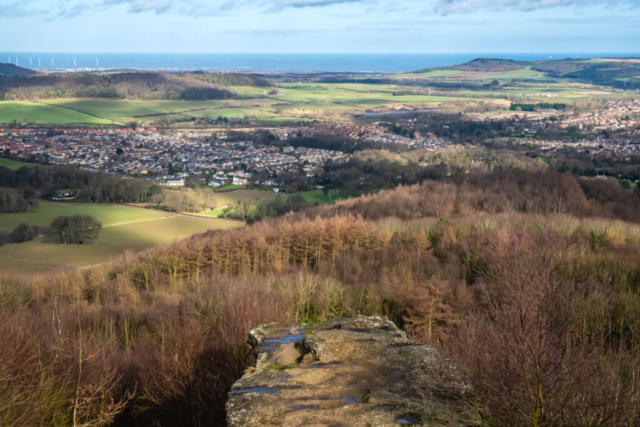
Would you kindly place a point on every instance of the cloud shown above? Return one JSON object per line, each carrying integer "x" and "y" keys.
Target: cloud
{"x": 282, "y": 32}
{"x": 449, "y": 7}
{"x": 299, "y": 4}
{"x": 71, "y": 12}
{"x": 203, "y": 8}
{"x": 138, "y": 6}
{"x": 17, "y": 10}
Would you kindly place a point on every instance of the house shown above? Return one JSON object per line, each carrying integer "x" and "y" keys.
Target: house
{"x": 217, "y": 183}
{"x": 170, "y": 182}
{"x": 240, "y": 181}
{"x": 64, "y": 196}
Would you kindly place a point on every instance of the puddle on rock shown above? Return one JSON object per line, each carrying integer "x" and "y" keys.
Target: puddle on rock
{"x": 408, "y": 420}
{"x": 259, "y": 390}
{"x": 289, "y": 338}
{"x": 285, "y": 378}
{"x": 320, "y": 365}
{"x": 352, "y": 400}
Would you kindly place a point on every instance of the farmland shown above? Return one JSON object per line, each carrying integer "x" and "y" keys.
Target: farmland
{"x": 309, "y": 100}
{"x": 12, "y": 164}
{"x": 27, "y": 112}
{"x": 108, "y": 215}
{"x": 224, "y": 198}
{"x": 105, "y": 108}
{"x": 125, "y": 228}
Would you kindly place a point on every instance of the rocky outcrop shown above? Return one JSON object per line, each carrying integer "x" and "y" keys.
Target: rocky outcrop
{"x": 347, "y": 372}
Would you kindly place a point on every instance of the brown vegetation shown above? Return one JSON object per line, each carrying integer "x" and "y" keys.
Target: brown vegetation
{"x": 532, "y": 293}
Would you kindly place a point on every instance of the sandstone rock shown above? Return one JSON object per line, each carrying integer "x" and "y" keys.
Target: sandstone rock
{"x": 347, "y": 372}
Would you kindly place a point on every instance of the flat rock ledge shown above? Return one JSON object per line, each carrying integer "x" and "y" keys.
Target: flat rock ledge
{"x": 360, "y": 371}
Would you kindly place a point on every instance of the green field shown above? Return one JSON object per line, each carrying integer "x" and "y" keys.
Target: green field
{"x": 318, "y": 196}
{"x": 525, "y": 74}
{"x": 31, "y": 112}
{"x": 159, "y": 107}
{"x": 108, "y": 215}
{"x": 12, "y": 164}
{"x": 104, "y": 108}
{"x": 235, "y": 193}
{"x": 428, "y": 75}
{"x": 308, "y": 101}
{"x": 125, "y": 229}
{"x": 231, "y": 113}
{"x": 214, "y": 213}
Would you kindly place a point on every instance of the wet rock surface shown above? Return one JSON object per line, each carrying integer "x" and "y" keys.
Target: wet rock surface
{"x": 347, "y": 372}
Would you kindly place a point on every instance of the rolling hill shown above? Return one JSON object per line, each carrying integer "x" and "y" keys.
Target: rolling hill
{"x": 11, "y": 70}
{"x": 124, "y": 85}
{"x": 620, "y": 73}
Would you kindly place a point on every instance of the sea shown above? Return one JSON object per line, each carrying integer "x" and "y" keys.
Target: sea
{"x": 271, "y": 62}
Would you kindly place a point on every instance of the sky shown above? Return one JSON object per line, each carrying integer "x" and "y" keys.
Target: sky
{"x": 320, "y": 26}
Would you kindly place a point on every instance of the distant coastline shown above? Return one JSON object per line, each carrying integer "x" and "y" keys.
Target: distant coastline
{"x": 272, "y": 62}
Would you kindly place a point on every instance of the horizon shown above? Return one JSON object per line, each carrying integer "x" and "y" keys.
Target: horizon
{"x": 324, "y": 53}
{"x": 275, "y": 62}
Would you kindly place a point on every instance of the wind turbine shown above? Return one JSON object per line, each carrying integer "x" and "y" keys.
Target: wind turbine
{"x": 74, "y": 62}
{"x": 17, "y": 62}
{"x": 39, "y": 63}
{"x": 51, "y": 62}
{"x": 97, "y": 63}
{"x": 30, "y": 62}
{"x": 9, "y": 60}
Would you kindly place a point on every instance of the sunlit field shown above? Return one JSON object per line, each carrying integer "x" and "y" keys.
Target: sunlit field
{"x": 309, "y": 100}
{"x": 124, "y": 229}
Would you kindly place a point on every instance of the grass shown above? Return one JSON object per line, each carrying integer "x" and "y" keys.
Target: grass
{"x": 231, "y": 187}
{"x": 12, "y": 164}
{"x": 300, "y": 102}
{"x": 32, "y": 112}
{"x": 125, "y": 229}
{"x": 318, "y": 196}
{"x": 235, "y": 193}
{"x": 526, "y": 73}
{"x": 105, "y": 108}
{"x": 231, "y": 113}
{"x": 214, "y": 213}
{"x": 160, "y": 107}
{"x": 108, "y": 215}
{"x": 428, "y": 75}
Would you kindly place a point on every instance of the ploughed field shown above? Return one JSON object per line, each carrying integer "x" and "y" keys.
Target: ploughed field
{"x": 125, "y": 228}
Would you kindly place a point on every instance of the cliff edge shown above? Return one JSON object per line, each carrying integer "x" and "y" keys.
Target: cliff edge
{"x": 347, "y": 372}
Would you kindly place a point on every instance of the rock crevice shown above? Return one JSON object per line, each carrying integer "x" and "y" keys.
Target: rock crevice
{"x": 360, "y": 371}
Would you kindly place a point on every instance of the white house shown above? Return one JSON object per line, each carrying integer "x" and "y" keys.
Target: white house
{"x": 171, "y": 182}
{"x": 240, "y": 181}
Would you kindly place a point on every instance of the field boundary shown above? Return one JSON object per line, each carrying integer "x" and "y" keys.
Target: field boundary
{"x": 78, "y": 111}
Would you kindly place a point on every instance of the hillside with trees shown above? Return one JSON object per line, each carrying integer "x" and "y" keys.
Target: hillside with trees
{"x": 236, "y": 79}
{"x": 10, "y": 70}
{"x": 116, "y": 86}
{"x": 529, "y": 282}
{"x": 19, "y": 186}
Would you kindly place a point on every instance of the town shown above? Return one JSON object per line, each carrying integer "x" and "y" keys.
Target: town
{"x": 172, "y": 156}
{"x": 614, "y": 114}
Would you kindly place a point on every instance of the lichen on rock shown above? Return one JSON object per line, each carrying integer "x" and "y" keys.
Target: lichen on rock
{"x": 359, "y": 371}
